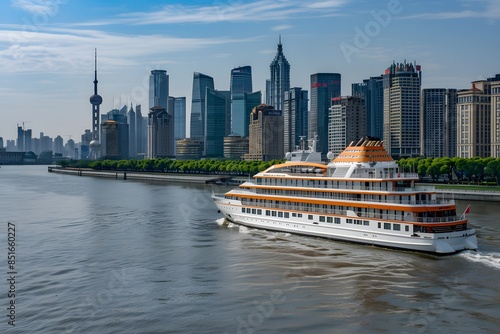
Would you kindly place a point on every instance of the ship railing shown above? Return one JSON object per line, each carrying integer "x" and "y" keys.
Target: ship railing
{"x": 361, "y": 215}
{"x": 433, "y": 220}
{"x": 413, "y": 189}
{"x": 386, "y": 176}
{"x": 352, "y": 197}
{"x": 287, "y": 184}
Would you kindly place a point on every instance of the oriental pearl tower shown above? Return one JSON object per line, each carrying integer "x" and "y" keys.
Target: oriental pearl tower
{"x": 95, "y": 100}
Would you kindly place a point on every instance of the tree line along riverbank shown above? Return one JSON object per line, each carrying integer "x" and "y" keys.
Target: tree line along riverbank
{"x": 460, "y": 171}
{"x": 165, "y": 165}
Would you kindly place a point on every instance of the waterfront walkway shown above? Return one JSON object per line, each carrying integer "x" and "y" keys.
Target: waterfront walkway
{"x": 142, "y": 176}
{"x": 469, "y": 195}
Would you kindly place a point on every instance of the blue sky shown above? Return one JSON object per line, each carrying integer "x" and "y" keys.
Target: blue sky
{"x": 47, "y": 48}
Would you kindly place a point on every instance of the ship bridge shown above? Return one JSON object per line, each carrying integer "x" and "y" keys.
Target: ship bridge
{"x": 366, "y": 159}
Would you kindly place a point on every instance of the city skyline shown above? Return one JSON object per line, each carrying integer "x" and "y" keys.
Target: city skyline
{"x": 48, "y": 49}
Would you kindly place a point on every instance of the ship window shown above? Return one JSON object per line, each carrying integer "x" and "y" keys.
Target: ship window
{"x": 310, "y": 217}
{"x": 329, "y": 220}
{"x": 268, "y": 212}
{"x": 273, "y": 213}
{"x": 387, "y": 226}
{"x": 322, "y": 219}
{"x": 254, "y": 211}
{"x": 396, "y": 227}
{"x": 280, "y": 214}
{"x": 407, "y": 228}
{"x": 259, "y": 211}
{"x": 243, "y": 210}
{"x": 366, "y": 222}
{"x": 287, "y": 215}
{"x": 299, "y": 215}
{"x": 348, "y": 221}
{"x": 294, "y": 214}
{"x": 379, "y": 225}
{"x": 337, "y": 220}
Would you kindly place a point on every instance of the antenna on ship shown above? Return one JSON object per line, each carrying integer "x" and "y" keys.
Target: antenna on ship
{"x": 302, "y": 142}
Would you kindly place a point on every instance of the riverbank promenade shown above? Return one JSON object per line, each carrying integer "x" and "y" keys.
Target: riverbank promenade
{"x": 142, "y": 176}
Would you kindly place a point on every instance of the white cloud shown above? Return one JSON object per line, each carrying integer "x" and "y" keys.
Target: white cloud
{"x": 261, "y": 10}
{"x": 53, "y": 49}
{"x": 281, "y": 27}
{"x": 489, "y": 9}
{"x": 38, "y": 7}
{"x": 326, "y": 4}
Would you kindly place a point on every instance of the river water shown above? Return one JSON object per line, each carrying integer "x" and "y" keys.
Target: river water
{"x": 95, "y": 255}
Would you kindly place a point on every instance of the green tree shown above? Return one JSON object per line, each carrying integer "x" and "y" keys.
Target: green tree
{"x": 493, "y": 169}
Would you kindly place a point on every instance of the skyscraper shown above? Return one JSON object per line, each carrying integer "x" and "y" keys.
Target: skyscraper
{"x": 141, "y": 128}
{"x": 58, "y": 147}
{"x": 178, "y": 107}
{"x": 158, "y": 89}
{"x": 160, "y": 118}
{"x": 20, "y": 139}
{"x": 241, "y": 108}
{"x": 132, "y": 133}
{"x": 495, "y": 115}
{"x": 240, "y": 87}
{"x": 69, "y": 149}
{"x": 347, "y": 122}
{"x": 374, "y": 106}
{"x": 266, "y": 134}
{"x": 46, "y": 143}
{"x": 358, "y": 90}
{"x": 241, "y": 80}
{"x": 110, "y": 140}
{"x": 95, "y": 100}
{"x": 474, "y": 120}
{"x": 402, "y": 82}
{"x": 24, "y": 139}
{"x": 200, "y": 84}
{"x": 439, "y": 122}
{"x": 160, "y": 133}
{"x": 217, "y": 110}
{"x": 84, "y": 143}
{"x": 295, "y": 116}
{"x": 324, "y": 87}
{"x": 280, "y": 79}
{"x": 115, "y": 135}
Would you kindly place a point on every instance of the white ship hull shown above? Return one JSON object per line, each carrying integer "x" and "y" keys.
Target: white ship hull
{"x": 372, "y": 234}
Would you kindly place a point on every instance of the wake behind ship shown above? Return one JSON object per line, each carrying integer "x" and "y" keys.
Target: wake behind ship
{"x": 360, "y": 196}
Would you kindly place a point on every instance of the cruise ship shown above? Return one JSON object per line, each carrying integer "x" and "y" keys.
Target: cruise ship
{"x": 360, "y": 196}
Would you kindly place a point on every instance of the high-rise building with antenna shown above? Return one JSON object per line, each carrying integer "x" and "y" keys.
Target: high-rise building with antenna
{"x": 280, "y": 79}
{"x": 95, "y": 100}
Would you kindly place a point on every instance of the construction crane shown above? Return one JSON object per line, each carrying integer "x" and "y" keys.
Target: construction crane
{"x": 23, "y": 123}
